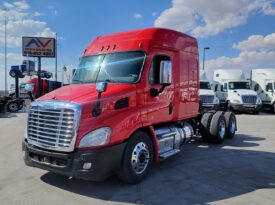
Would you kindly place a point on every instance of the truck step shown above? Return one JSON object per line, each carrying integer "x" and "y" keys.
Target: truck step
{"x": 170, "y": 153}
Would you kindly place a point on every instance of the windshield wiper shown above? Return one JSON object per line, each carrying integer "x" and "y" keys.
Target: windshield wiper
{"x": 80, "y": 81}
{"x": 110, "y": 81}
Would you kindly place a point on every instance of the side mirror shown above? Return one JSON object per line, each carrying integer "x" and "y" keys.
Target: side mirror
{"x": 165, "y": 77}
{"x": 222, "y": 88}
{"x": 101, "y": 87}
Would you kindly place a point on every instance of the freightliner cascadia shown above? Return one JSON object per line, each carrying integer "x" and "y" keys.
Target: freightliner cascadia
{"x": 134, "y": 101}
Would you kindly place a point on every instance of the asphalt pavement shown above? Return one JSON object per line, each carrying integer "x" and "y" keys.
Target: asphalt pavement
{"x": 239, "y": 171}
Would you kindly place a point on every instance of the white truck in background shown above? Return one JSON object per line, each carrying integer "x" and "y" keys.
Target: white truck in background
{"x": 263, "y": 82}
{"x": 208, "y": 99}
{"x": 234, "y": 91}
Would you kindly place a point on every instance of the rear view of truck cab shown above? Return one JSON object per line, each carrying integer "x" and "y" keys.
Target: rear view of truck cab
{"x": 234, "y": 91}
{"x": 263, "y": 82}
{"x": 134, "y": 101}
{"x": 208, "y": 99}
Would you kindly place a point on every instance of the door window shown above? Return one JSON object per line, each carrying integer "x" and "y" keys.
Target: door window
{"x": 269, "y": 87}
{"x": 154, "y": 72}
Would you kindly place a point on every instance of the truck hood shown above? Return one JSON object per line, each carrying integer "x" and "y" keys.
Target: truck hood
{"x": 244, "y": 92}
{"x": 83, "y": 93}
{"x": 206, "y": 92}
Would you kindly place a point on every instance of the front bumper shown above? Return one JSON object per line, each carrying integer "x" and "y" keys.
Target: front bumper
{"x": 210, "y": 107}
{"x": 105, "y": 162}
{"x": 246, "y": 107}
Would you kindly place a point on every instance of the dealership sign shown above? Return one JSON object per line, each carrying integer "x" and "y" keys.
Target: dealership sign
{"x": 38, "y": 47}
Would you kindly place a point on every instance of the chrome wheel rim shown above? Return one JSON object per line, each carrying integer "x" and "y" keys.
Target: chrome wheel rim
{"x": 233, "y": 126}
{"x": 222, "y": 128}
{"x": 13, "y": 107}
{"x": 140, "y": 158}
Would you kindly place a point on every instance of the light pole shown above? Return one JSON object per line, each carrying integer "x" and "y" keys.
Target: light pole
{"x": 6, "y": 83}
{"x": 203, "y": 62}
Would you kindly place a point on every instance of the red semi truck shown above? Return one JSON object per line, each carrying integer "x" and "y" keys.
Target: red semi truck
{"x": 134, "y": 102}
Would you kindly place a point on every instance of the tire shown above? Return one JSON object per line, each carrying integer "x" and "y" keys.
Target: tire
{"x": 139, "y": 149}
{"x": 228, "y": 106}
{"x": 256, "y": 112}
{"x": 205, "y": 126}
{"x": 273, "y": 106}
{"x": 231, "y": 124}
{"x": 218, "y": 127}
{"x": 13, "y": 106}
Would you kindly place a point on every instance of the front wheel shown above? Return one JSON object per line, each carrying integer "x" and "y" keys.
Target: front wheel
{"x": 273, "y": 107}
{"x": 137, "y": 159}
{"x": 12, "y": 106}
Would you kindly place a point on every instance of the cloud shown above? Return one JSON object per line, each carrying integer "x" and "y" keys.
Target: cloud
{"x": 21, "y": 22}
{"x": 138, "y": 16}
{"x": 255, "y": 52}
{"x": 257, "y": 42}
{"x": 154, "y": 13}
{"x": 205, "y": 18}
{"x": 18, "y": 5}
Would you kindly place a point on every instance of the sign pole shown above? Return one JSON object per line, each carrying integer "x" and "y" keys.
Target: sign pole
{"x": 56, "y": 57}
{"x": 16, "y": 87}
{"x": 39, "y": 77}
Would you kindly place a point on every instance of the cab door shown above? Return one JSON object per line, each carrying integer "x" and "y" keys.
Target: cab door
{"x": 160, "y": 106}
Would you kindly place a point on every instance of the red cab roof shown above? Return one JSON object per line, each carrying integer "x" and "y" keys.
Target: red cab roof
{"x": 144, "y": 39}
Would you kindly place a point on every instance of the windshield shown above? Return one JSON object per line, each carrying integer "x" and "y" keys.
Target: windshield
{"x": 205, "y": 85}
{"x": 124, "y": 67}
{"x": 238, "y": 85}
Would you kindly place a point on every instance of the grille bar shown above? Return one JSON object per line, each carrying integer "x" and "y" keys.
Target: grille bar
{"x": 207, "y": 99}
{"x": 249, "y": 99}
{"x": 53, "y": 124}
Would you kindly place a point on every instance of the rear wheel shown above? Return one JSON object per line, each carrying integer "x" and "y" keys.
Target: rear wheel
{"x": 231, "y": 124}
{"x": 12, "y": 106}
{"x": 218, "y": 127}
{"x": 205, "y": 126}
{"x": 137, "y": 159}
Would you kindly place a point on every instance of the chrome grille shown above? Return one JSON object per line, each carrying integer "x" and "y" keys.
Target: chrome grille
{"x": 53, "y": 124}
{"x": 249, "y": 99}
{"x": 207, "y": 99}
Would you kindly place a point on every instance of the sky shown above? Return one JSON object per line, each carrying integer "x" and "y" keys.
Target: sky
{"x": 239, "y": 33}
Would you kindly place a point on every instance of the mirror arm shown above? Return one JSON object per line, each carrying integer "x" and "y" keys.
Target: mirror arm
{"x": 96, "y": 111}
{"x": 154, "y": 92}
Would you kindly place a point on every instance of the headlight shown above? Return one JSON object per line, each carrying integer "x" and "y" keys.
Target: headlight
{"x": 236, "y": 101}
{"x": 97, "y": 137}
{"x": 259, "y": 101}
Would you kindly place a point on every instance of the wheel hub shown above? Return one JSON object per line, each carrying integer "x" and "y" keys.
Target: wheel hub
{"x": 222, "y": 128}
{"x": 140, "y": 158}
{"x": 233, "y": 126}
{"x": 13, "y": 107}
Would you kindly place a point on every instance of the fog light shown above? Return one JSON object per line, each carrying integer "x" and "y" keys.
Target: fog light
{"x": 87, "y": 165}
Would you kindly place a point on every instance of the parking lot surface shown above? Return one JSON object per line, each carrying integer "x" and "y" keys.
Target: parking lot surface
{"x": 239, "y": 171}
